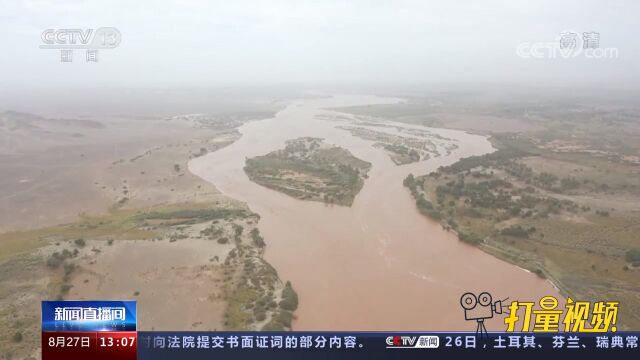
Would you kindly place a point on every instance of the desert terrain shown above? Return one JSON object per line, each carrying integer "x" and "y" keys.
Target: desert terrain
{"x": 107, "y": 209}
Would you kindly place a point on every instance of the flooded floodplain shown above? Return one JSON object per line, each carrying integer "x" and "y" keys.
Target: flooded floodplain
{"x": 379, "y": 264}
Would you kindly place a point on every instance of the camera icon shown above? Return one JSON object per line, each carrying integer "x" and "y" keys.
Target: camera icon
{"x": 480, "y": 308}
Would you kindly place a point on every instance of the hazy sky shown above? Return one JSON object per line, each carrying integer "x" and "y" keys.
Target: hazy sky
{"x": 213, "y": 43}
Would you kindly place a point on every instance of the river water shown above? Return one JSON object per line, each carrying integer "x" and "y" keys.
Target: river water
{"x": 379, "y": 264}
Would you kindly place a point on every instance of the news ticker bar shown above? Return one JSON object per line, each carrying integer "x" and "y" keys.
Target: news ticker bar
{"x": 107, "y": 330}
{"x": 372, "y": 345}
{"x": 147, "y": 345}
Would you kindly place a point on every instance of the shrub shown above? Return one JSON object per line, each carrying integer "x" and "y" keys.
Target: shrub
{"x": 192, "y": 216}
{"x": 470, "y": 238}
{"x": 17, "y": 337}
{"x": 516, "y": 231}
{"x": 259, "y": 314}
{"x": 633, "y": 256}
{"x": 274, "y": 325}
{"x": 237, "y": 229}
{"x": 280, "y": 321}
{"x": 55, "y": 260}
{"x": 68, "y": 269}
{"x": 258, "y": 240}
{"x": 426, "y": 208}
{"x": 285, "y": 317}
{"x": 289, "y": 298}
{"x": 409, "y": 181}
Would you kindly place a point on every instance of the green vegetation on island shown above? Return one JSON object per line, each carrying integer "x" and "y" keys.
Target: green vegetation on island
{"x": 308, "y": 169}
{"x": 401, "y": 149}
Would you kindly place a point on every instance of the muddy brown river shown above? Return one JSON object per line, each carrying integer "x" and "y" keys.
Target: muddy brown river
{"x": 379, "y": 264}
